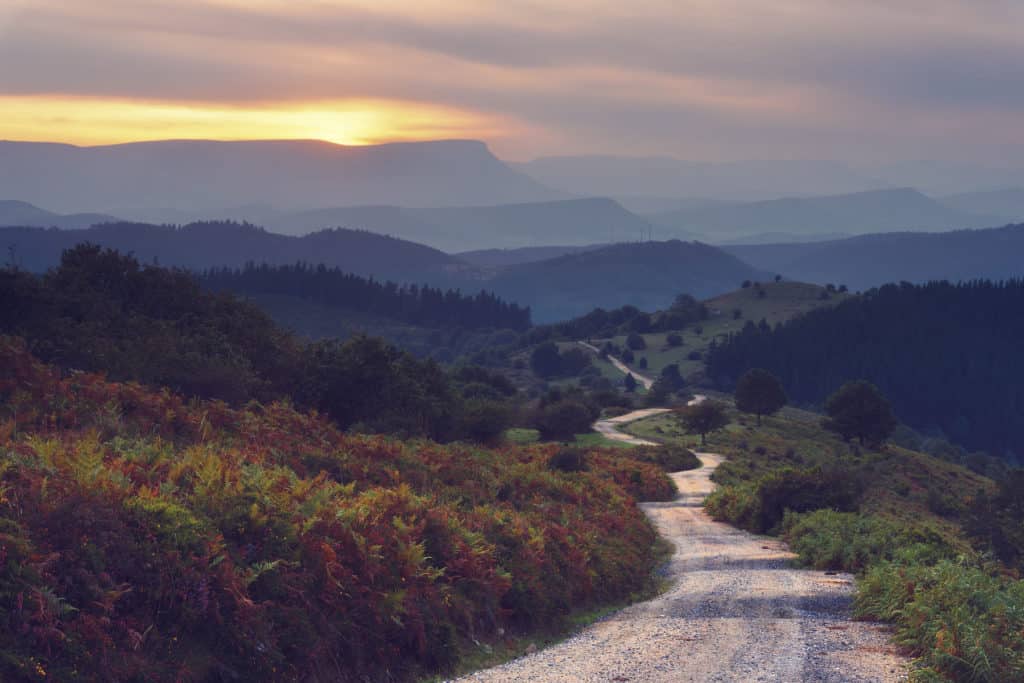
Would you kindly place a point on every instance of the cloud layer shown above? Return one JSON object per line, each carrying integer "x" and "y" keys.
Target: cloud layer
{"x": 712, "y": 79}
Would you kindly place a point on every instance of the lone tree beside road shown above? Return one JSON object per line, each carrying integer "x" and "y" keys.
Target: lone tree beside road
{"x": 858, "y": 410}
{"x": 761, "y": 393}
{"x": 703, "y": 418}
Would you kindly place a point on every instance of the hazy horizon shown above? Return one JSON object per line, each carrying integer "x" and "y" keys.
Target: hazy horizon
{"x": 713, "y": 81}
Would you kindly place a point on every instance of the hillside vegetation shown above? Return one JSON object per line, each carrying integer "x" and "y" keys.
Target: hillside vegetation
{"x": 932, "y": 541}
{"x": 215, "y": 244}
{"x": 102, "y": 311}
{"x": 772, "y": 302}
{"x": 419, "y": 305}
{"x": 943, "y": 354}
{"x": 143, "y": 536}
{"x": 647, "y": 275}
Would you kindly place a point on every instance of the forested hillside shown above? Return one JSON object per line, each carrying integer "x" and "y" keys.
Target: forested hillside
{"x": 647, "y": 275}
{"x": 421, "y": 305}
{"x": 874, "y": 260}
{"x": 199, "y": 246}
{"x": 946, "y": 355}
{"x": 102, "y": 311}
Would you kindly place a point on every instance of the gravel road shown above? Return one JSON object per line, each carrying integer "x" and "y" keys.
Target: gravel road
{"x": 609, "y": 427}
{"x": 645, "y": 381}
{"x": 736, "y": 611}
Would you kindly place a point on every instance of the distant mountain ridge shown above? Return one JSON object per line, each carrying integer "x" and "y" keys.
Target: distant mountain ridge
{"x": 872, "y": 260}
{"x": 571, "y": 222}
{"x": 14, "y": 212}
{"x": 858, "y": 213}
{"x": 635, "y": 181}
{"x": 289, "y": 174}
{"x": 200, "y": 246}
{"x": 1007, "y": 203}
{"x": 574, "y": 222}
{"x": 500, "y": 258}
{"x": 746, "y": 181}
{"x": 647, "y": 275}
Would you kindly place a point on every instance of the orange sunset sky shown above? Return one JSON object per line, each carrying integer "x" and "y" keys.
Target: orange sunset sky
{"x": 704, "y": 79}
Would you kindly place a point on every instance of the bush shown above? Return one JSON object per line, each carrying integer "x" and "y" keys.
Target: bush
{"x": 670, "y": 458}
{"x": 636, "y": 342}
{"x": 849, "y": 541}
{"x": 674, "y": 339}
{"x": 564, "y": 419}
{"x": 568, "y": 460}
{"x": 963, "y": 623}
{"x": 485, "y": 420}
{"x": 761, "y": 505}
{"x": 546, "y": 361}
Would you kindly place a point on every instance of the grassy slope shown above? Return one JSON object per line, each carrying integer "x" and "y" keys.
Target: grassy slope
{"x": 782, "y": 301}
{"x": 900, "y": 482}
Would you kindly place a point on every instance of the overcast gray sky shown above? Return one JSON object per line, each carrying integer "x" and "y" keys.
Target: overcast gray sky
{"x": 708, "y": 79}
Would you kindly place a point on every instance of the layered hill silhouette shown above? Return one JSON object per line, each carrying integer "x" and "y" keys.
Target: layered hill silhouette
{"x": 199, "y": 246}
{"x": 872, "y": 260}
{"x": 666, "y": 177}
{"x": 568, "y": 222}
{"x": 14, "y": 212}
{"x": 859, "y": 213}
{"x": 1007, "y": 203}
{"x": 647, "y": 275}
{"x": 287, "y": 174}
{"x": 499, "y": 258}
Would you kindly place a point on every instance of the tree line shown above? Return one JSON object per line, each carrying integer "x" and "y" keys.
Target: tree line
{"x": 103, "y": 311}
{"x": 946, "y": 356}
{"x": 416, "y": 304}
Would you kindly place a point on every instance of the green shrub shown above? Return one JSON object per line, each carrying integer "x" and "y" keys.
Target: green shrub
{"x": 761, "y": 505}
{"x": 670, "y": 457}
{"x": 963, "y": 623}
{"x": 564, "y": 419}
{"x": 850, "y": 541}
{"x": 568, "y": 460}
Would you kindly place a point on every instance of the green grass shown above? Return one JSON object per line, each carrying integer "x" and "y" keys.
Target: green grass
{"x": 522, "y": 435}
{"x": 782, "y": 301}
{"x": 595, "y": 440}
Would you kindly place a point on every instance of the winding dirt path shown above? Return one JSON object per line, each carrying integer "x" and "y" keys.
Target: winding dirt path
{"x": 644, "y": 380}
{"x": 736, "y": 611}
{"x": 609, "y": 427}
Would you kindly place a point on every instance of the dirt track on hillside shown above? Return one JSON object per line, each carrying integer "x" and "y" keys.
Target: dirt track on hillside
{"x": 645, "y": 381}
{"x": 736, "y": 611}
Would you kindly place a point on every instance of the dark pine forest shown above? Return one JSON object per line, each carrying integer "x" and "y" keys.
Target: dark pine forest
{"x": 415, "y": 304}
{"x": 938, "y": 351}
